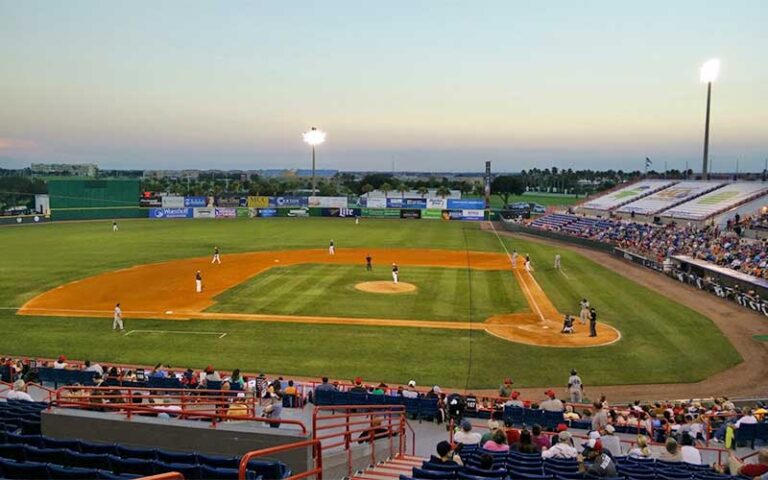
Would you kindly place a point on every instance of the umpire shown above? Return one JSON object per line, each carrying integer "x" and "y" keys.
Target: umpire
{"x": 592, "y": 322}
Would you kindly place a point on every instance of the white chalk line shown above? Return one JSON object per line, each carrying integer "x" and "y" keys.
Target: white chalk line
{"x": 220, "y": 334}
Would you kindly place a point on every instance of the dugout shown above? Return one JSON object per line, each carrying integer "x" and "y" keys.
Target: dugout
{"x": 80, "y": 199}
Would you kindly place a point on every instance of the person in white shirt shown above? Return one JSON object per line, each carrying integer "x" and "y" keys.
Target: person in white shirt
{"x": 117, "y": 321}
{"x": 411, "y": 392}
{"x": 575, "y": 387}
{"x": 562, "y": 449}
{"x": 466, "y": 436}
{"x": 93, "y": 367}
{"x": 18, "y": 392}
{"x": 749, "y": 418}
{"x": 611, "y": 442}
{"x": 60, "y": 363}
{"x": 690, "y": 453}
{"x": 641, "y": 450}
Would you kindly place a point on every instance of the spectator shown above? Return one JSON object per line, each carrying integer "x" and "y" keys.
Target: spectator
{"x": 325, "y": 386}
{"x": 60, "y": 363}
{"x": 601, "y": 463}
{"x": 640, "y": 450}
{"x": 486, "y": 461}
{"x": 236, "y": 380}
{"x": 563, "y": 449}
{"x": 375, "y": 430}
{"x": 525, "y": 444}
{"x": 274, "y": 408}
{"x": 466, "y": 436}
{"x": 434, "y": 392}
{"x": 514, "y": 400}
{"x": 93, "y": 367}
{"x": 611, "y": 442}
{"x": 671, "y": 451}
{"x": 18, "y": 393}
{"x": 749, "y": 470}
{"x": 189, "y": 379}
{"x": 688, "y": 451}
{"x": 497, "y": 443}
{"x": 445, "y": 455}
{"x": 290, "y": 390}
{"x": 358, "y": 387}
{"x": 211, "y": 375}
{"x": 411, "y": 392}
{"x": 599, "y": 417}
{"x": 506, "y": 388}
{"x": 493, "y": 426}
{"x": 551, "y": 404}
{"x": 542, "y": 441}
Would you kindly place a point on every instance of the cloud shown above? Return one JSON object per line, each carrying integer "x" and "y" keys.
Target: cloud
{"x": 18, "y": 145}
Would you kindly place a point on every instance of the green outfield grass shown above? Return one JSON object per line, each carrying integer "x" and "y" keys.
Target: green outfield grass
{"x": 329, "y": 290}
{"x": 662, "y": 340}
{"x": 541, "y": 198}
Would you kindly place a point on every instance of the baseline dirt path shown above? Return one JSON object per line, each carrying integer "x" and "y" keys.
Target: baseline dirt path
{"x": 737, "y": 324}
{"x": 166, "y": 290}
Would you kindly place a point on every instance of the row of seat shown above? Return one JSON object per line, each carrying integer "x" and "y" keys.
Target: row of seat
{"x": 421, "y": 408}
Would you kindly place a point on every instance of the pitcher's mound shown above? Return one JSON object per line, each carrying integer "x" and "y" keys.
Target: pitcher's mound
{"x": 386, "y": 287}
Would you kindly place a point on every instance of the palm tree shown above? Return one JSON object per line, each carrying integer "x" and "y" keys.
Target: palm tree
{"x": 402, "y": 188}
{"x": 367, "y": 188}
{"x": 385, "y": 187}
{"x": 422, "y": 191}
{"x": 443, "y": 191}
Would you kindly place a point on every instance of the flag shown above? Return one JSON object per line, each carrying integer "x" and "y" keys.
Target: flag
{"x": 648, "y": 162}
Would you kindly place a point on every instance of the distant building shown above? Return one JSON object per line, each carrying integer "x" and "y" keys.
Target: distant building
{"x": 65, "y": 169}
{"x": 432, "y": 193}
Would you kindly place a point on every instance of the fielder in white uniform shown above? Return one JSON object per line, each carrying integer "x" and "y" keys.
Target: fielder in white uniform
{"x": 557, "y": 261}
{"x": 528, "y": 267}
{"x": 575, "y": 387}
{"x": 216, "y": 256}
{"x": 331, "y": 249}
{"x": 357, "y": 220}
{"x": 198, "y": 282}
{"x": 114, "y": 225}
{"x": 514, "y": 258}
{"x": 395, "y": 272}
{"x": 117, "y": 321}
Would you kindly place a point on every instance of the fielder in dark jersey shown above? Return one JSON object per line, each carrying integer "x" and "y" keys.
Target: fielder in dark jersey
{"x": 368, "y": 264}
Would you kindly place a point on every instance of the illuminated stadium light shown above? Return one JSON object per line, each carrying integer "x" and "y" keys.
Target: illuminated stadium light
{"x": 709, "y": 70}
{"x": 314, "y": 137}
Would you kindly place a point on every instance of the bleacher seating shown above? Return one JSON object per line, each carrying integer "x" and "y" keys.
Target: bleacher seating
{"x": 25, "y": 455}
{"x": 419, "y": 408}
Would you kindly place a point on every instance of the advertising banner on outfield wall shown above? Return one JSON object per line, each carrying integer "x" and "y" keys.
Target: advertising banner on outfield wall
{"x": 432, "y": 214}
{"x": 437, "y": 203}
{"x": 241, "y": 212}
{"x": 380, "y": 212}
{"x": 226, "y": 212}
{"x": 195, "y": 201}
{"x": 284, "y": 202}
{"x": 173, "y": 202}
{"x": 170, "y": 213}
{"x": 328, "y": 202}
{"x": 407, "y": 203}
{"x": 257, "y": 202}
{"x": 410, "y": 213}
{"x": 376, "y": 202}
{"x": 204, "y": 213}
{"x": 298, "y": 212}
{"x": 466, "y": 203}
{"x": 340, "y": 212}
{"x": 231, "y": 202}
{"x": 452, "y": 215}
{"x": 267, "y": 212}
{"x": 473, "y": 214}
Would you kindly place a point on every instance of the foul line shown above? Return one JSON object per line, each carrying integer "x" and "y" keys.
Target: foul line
{"x": 514, "y": 268}
{"x": 220, "y": 334}
{"x": 564, "y": 274}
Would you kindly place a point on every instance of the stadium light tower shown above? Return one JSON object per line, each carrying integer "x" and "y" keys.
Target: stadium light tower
{"x": 709, "y": 72}
{"x": 314, "y": 137}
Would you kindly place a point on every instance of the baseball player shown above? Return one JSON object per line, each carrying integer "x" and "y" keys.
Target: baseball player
{"x": 567, "y": 324}
{"x": 198, "y": 282}
{"x": 575, "y": 387}
{"x": 584, "y": 312}
{"x": 216, "y": 256}
{"x": 357, "y": 220}
{"x": 592, "y": 322}
{"x": 528, "y": 267}
{"x": 117, "y": 321}
{"x": 331, "y": 249}
{"x": 368, "y": 263}
{"x": 114, "y": 225}
{"x": 557, "y": 261}
{"x": 514, "y": 258}
{"x": 395, "y": 272}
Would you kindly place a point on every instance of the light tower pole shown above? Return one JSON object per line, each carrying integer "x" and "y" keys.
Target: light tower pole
{"x": 314, "y": 137}
{"x": 709, "y": 72}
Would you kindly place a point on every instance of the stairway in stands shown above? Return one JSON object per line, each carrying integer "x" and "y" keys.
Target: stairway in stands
{"x": 402, "y": 465}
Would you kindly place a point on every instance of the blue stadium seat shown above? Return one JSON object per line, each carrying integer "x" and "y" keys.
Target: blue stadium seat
{"x": 26, "y": 470}
{"x": 45, "y": 455}
{"x": 207, "y": 472}
{"x": 143, "y": 453}
{"x": 57, "y": 472}
{"x": 482, "y": 473}
{"x": 190, "y": 472}
{"x": 268, "y": 468}
{"x": 176, "y": 457}
{"x": 323, "y": 397}
{"x": 513, "y": 415}
{"x": 131, "y": 465}
{"x": 13, "y": 451}
{"x": 440, "y": 467}
{"x": 218, "y": 461}
{"x": 34, "y": 440}
{"x": 49, "y": 442}
{"x": 99, "y": 461}
{"x": 432, "y": 474}
{"x": 93, "y": 447}
{"x": 428, "y": 408}
{"x": 746, "y": 433}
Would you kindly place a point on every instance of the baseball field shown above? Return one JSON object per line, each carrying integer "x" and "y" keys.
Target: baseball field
{"x": 279, "y": 303}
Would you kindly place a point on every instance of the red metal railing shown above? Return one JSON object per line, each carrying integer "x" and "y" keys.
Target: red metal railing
{"x": 164, "y": 476}
{"x": 362, "y": 424}
{"x": 317, "y": 457}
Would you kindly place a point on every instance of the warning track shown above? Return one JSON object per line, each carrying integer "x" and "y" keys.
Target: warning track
{"x": 166, "y": 291}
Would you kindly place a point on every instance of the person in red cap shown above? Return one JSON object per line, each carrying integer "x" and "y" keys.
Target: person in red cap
{"x": 506, "y": 388}
{"x": 358, "y": 388}
{"x": 514, "y": 400}
{"x": 60, "y": 363}
{"x": 552, "y": 403}
{"x": 600, "y": 463}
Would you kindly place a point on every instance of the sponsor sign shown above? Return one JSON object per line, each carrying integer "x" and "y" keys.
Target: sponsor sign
{"x": 229, "y": 202}
{"x": 328, "y": 202}
{"x": 288, "y": 201}
{"x": 225, "y": 212}
{"x": 195, "y": 201}
{"x": 376, "y": 202}
{"x": 466, "y": 203}
{"x": 410, "y": 213}
{"x": 437, "y": 203}
{"x": 267, "y": 212}
{"x": 340, "y": 212}
{"x": 150, "y": 202}
{"x": 241, "y": 212}
{"x": 406, "y": 203}
{"x": 380, "y": 212}
{"x": 298, "y": 212}
{"x": 170, "y": 213}
{"x": 473, "y": 214}
{"x": 452, "y": 215}
{"x": 432, "y": 214}
{"x": 257, "y": 202}
{"x": 204, "y": 213}
{"x": 173, "y": 202}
